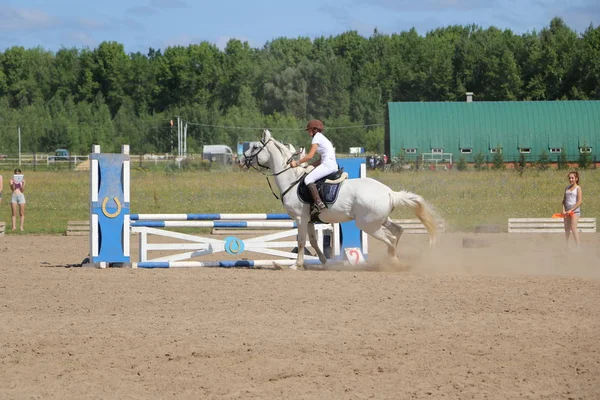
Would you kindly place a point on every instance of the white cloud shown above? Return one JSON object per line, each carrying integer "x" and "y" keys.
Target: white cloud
{"x": 21, "y": 19}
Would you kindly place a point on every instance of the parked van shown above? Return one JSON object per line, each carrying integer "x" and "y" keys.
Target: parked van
{"x": 218, "y": 153}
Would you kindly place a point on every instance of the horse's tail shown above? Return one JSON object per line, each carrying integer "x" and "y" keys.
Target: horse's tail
{"x": 422, "y": 210}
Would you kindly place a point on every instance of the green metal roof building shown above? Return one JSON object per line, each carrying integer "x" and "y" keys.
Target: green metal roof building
{"x": 445, "y": 131}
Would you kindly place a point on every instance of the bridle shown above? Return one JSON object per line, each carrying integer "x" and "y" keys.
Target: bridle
{"x": 248, "y": 160}
{"x": 248, "y": 163}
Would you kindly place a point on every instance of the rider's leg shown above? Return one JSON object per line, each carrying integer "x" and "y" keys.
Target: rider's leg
{"x": 316, "y": 174}
{"x": 312, "y": 187}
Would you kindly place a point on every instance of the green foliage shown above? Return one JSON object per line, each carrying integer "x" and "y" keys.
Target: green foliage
{"x": 194, "y": 164}
{"x": 498, "y": 160}
{"x": 543, "y": 161}
{"x": 79, "y": 97}
{"x": 562, "y": 163}
{"x": 585, "y": 159}
{"x": 479, "y": 162}
{"x": 461, "y": 165}
{"x": 521, "y": 165}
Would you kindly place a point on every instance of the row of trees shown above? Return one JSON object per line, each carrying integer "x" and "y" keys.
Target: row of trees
{"x": 77, "y": 97}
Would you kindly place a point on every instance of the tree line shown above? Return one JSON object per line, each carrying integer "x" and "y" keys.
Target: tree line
{"x": 74, "y": 98}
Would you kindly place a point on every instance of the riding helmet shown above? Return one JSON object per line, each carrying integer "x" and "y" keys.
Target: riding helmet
{"x": 315, "y": 123}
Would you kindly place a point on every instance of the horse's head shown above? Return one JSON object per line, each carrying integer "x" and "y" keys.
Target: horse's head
{"x": 256, "y": 155}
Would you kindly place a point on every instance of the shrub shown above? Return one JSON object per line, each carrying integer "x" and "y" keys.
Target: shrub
{"x": 562, "y": 159}
{"x": 585, "y": 160}
{"x": 461, "y": 165}
{"x": 521, "y": 164}
{"x": 498, "y": 160}
{"x": 195, "y": 164}
{"x": 478, "y": 161}
{"x": 544, "y": 161}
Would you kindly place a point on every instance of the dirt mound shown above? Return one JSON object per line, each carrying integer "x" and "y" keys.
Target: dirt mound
{"x": 84, "y": 166}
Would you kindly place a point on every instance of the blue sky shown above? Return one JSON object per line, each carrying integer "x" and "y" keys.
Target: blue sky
{"x": 141, "y": 24}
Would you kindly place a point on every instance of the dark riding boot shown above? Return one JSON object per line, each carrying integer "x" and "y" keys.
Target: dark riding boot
{"x": 318, "y": 204}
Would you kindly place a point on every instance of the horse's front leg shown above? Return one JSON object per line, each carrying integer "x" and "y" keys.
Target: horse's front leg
{"x": 312, "y": 237}
{"x": 301, "y": 222}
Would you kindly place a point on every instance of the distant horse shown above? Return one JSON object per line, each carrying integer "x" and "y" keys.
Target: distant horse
{"x": 366, "y": 201}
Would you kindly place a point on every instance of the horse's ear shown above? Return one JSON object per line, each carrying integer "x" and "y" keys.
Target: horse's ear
{"x": 266, "y": 135}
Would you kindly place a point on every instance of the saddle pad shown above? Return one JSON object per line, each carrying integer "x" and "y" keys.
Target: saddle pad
{"x": 329, "y": 192}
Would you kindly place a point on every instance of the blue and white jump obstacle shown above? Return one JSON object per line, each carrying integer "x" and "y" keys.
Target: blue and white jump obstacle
{"x": 111, "y": 225}
{"x": 196, "y": 246}
{"x": 208, "y": 217}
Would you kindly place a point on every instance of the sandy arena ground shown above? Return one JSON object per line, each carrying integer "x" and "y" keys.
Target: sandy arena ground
{"x": 518, "y": 319}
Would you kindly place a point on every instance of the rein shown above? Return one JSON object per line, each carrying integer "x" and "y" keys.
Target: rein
{"x": 248, "y": 163}
{"x": 288, "y": 189}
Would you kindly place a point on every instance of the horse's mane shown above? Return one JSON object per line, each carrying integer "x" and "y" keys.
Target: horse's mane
{"x": 287, "y": 155}
{"x": 285, "y": 152}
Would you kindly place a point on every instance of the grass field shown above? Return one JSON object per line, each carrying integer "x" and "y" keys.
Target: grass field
{"x": 464, "y": 199}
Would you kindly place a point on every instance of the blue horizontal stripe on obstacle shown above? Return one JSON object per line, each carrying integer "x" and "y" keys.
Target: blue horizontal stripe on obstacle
{"x": 216, "y": 264}
{"x": 154, "y": 224}
{"x": 223, "y": 224}
{"x": 222, "y": 264}
{"x": 213, "y": 217}
{"x": 212, "y": 224}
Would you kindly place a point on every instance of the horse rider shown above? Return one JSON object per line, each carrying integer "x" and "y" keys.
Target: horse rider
{"x": 325, "y": 165}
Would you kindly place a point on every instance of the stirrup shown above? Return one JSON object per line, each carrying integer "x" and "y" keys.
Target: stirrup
{"x": 317, "y": 207}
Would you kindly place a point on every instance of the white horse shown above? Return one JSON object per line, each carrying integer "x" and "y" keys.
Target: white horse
{"x": 366, "y": 201}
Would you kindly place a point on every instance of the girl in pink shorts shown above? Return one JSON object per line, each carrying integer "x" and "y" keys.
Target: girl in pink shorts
{"x": 17, "y": 185}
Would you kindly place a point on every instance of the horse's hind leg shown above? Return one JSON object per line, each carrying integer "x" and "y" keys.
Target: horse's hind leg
{"x": 385, "y": 235}
{"x": 396, "y": 230}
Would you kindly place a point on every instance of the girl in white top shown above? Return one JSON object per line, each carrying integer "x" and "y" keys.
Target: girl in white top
{"x": 327, "y": 164}
{"x": 571, "y": 202}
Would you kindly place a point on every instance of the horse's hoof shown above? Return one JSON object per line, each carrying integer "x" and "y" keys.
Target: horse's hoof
{"x": 294, "y": 267}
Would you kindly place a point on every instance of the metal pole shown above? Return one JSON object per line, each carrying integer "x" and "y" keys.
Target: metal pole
{"x": 185, "y": 140}
{"x": 178, "y": 138}
{"x": 19, "y": 131}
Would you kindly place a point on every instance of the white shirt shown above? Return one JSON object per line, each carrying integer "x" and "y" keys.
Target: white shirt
{"x": 325, "y": 150}
{"x": 571, "y": 198}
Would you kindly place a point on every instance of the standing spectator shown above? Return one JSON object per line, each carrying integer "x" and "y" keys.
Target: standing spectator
{"x": 571, "y": 202}
{"x": 1, "y": 186}
{"x": 17, "y": 186}
{"x": 385, "y": 159}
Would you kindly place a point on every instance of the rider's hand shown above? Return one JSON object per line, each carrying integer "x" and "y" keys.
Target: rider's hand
{"x": 294, "y": 164}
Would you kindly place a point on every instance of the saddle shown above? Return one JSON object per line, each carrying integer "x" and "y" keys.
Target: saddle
{"x": 327, "y": 186}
